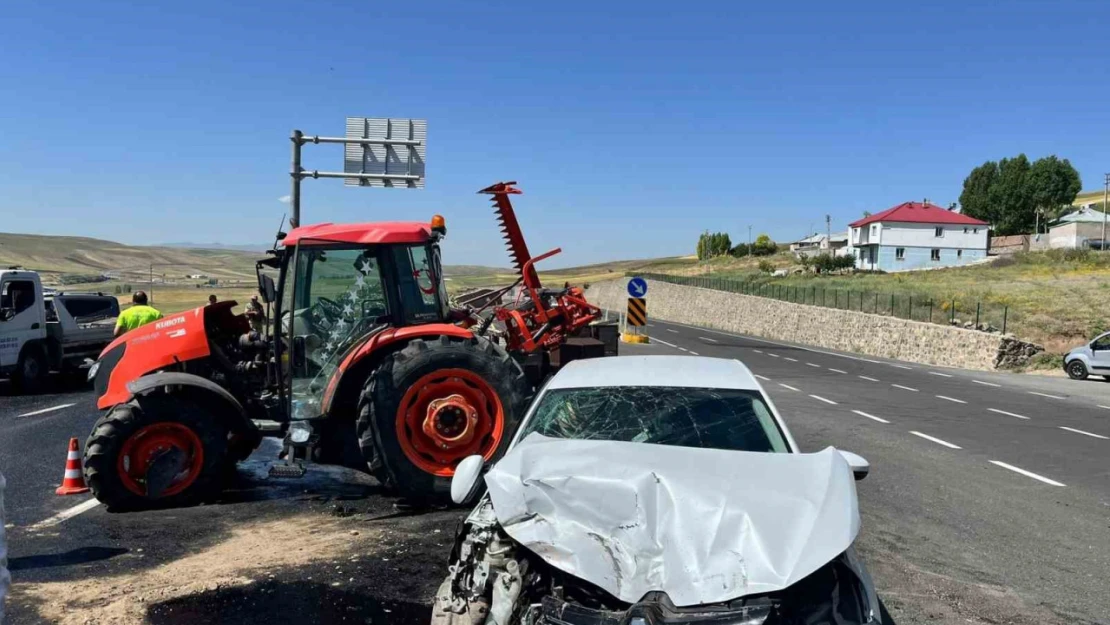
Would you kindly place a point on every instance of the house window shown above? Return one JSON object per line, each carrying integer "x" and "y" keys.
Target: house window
{"x": 938, "y": 231}
{"x": 899, "y": 253}
{"x": 874, "y": 230}
{"x": 975, "y": 231}
{"x": 959, "y": 253}
{"x": 935, "y": 254}
{"x": 965, "y": 230}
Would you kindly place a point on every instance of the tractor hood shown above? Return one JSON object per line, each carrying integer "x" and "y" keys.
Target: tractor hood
{"x": 702, "y": 525}
{"x": 173, "y": 339}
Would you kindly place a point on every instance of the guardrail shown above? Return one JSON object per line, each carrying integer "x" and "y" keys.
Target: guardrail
{"x": 987, "y": 316}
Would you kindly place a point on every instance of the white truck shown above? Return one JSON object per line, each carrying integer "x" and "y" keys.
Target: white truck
{"x": 43, "y": 332}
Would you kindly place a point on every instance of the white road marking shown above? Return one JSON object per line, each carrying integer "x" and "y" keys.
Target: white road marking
{"x": 790, "y": 359}
{"x": 900, "y": 366}
{"x": 773, "y": 355}
{"x": 706, "y": 338}
{"x": 670, "y": 330}
{"x": 666, "y": 343}
{"x": 870, "y": 416}
{"x": 683, "y": 349}
{"x": 758, "y": 351}
{"x": 943, "y": 375}
{"x": 958, "y": 401}
{"x": 1085, "y": 433}
{"x": 1106, "y": 407}
{"x": 837, "y": 370}
{"x": 863, "y": 377}
{"x": 789, "y": 387}
{"x": 692, "y": 352}
{"x": 762, "y": 377}
{"x": 1026, "y": 473}
{"x": 813, "y": 365}
{"x": 935, "y": 440}
{"x": 904, "y": 387}
{"x": 1045, "y": 395}
{"x": 808, "y": 349}
{"x": 68, "y": 513}
{"x": 827, "y": 401}
{"x": 1008, "y": 414}
{"x": 985, "y": 383}
{"x": 44, "y": 411}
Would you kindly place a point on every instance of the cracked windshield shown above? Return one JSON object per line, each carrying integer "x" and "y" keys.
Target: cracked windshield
{"x": 686, "y": 417}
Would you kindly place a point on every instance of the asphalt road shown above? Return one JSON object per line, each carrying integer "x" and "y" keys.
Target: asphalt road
{"x": 980, "y": 507}
{"x": 979, "y": 480}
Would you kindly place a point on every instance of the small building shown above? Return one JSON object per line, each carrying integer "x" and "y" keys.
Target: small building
{"x": 1075, "y": 230}
{"x": 821, "y": 243}
{"x": 917, "y": 235}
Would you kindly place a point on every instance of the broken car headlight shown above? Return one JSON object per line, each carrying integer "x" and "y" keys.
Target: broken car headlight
{"x": 299, "y": 432}
{"x": 92, "y": 371}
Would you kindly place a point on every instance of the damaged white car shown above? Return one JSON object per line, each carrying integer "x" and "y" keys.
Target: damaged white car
{"x": 650, "y": 490}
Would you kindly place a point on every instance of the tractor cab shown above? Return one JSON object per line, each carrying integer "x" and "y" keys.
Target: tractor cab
{"x": 340, "y": 284}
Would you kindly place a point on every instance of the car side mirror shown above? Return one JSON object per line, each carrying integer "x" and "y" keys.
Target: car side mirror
{"x": 860, "y": 466}
{"x": 266, "y": 288}
{"x": 7, "y": 314}
{"x": 464, "y": 484}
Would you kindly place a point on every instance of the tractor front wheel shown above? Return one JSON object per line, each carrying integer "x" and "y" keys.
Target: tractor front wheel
{"x": 155, "y": 451}
{"x": 433, "y": 403}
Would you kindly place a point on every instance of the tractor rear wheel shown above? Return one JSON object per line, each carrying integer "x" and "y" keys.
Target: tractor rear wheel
{"x": 155, "y": 451}
{"x": 433, "y": 403}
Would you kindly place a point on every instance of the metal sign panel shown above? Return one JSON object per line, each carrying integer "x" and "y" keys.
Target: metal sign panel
{"x": 399, "y": 151}
{"x": 637, "y": 287}
{"x": 637, "y": 311}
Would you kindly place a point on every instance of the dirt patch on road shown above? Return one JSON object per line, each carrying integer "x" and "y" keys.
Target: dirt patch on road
{"x": 252, "y": 554}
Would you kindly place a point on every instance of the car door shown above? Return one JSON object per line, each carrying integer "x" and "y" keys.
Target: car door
{"x": 1100, "y": 353}
{"x": 21, "y": 296}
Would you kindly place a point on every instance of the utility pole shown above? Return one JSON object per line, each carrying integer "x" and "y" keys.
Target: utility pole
{"x": 828, "y": 232}
{"x": 1105, "y": 193}
{"x": 750, "y": 234}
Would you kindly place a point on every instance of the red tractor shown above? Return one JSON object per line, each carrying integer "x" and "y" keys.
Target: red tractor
{"x": 365, "y": 365}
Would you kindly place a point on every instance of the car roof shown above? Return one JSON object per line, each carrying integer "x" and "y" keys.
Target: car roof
{"x": 681, "y": 371}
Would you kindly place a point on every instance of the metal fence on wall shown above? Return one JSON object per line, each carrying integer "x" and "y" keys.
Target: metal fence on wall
{"x": 974, "y": 313}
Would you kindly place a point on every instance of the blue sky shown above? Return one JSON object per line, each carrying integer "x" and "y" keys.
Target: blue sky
{"x": 631, "y": 126}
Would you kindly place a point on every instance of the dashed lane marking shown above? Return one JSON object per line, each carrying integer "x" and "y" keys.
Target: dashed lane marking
{"x": 837, "y": 370}
{"x": 1091, "y": 434}
{"x": 1045, "y": 395}
{"x": 827, "y": 401}
{"x": 943, "y": 375}
{"x": 773, "y": 355}
{"x": 44, "y": 411}
{"x": 985, "y": 383}
{"x": 813, "y": 365}
{"x": 1106, "y": 407}
{"x": 863, "y": 377}
{"x": 670, "y": 330}
{"x": 958, "y": 401}
{"x": 787, "y": 386}
{"x": 1040, "y": 478}
{"x": 758, "y": 351}
{"x": 870, "y": 416}
{"x": 1008, "y": 414}
{"x": 68, "y": 513}
{"x": 904, "y": 387}
{"x": 900, "y": 366}
{"x": 706, "y": 338}
{"x": 661, "y": 341}
{"x": 692, "y": 352}
{"x": 790, "y": 359}
{"x": 935, "y": 440}
{"x": 762, "y": 377}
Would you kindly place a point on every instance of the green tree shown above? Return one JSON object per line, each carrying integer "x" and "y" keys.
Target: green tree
{"x": 764, "y": 246}
{"x": 975, "y": 198}
{"x": 1013, "y": 196}
{"x": 1054, "y": 183}
{"x": 741, "y": 249}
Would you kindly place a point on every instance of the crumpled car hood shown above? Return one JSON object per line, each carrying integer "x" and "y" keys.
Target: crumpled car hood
{"x": 702, "y": 525}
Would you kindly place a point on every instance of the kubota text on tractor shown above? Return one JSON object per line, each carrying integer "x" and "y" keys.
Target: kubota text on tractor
{"x": 366, "y": 366}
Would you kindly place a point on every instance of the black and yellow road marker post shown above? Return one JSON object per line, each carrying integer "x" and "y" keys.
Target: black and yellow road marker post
{"x": 635, "y": 320}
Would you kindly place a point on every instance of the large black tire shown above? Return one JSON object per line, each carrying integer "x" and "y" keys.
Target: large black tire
{"x": 1077, "y": 370}
{"x": 31, "y": 370}
{"x": 383, "y": 392}
{"x": 109, "y": 435}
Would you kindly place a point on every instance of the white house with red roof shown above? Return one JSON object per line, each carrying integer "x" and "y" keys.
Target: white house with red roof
{"x": 917, "y": 235}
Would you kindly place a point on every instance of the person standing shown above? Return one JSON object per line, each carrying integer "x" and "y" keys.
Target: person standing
{"x": 138, "y": 315}
{"x": 256, "y": 315}
{"x": 211, "y": 299}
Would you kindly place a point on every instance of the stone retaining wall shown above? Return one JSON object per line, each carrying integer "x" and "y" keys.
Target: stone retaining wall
{"x": 844, "y": 330}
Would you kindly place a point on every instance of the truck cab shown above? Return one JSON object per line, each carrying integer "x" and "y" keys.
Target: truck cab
{"x": 42, "y": 331}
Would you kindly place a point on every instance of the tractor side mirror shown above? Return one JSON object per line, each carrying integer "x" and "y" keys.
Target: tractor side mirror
{"x": 464, "y": 484}
{"x": 7, "y": 314}
{"x": 266, "y": 288}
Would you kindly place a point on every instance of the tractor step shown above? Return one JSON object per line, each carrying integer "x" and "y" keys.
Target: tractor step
{"x": 287, "y": 470}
